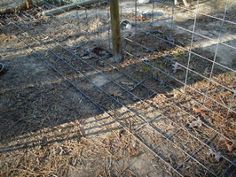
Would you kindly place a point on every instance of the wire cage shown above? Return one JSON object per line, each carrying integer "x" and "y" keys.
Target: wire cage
{"x": 174, "y": 92}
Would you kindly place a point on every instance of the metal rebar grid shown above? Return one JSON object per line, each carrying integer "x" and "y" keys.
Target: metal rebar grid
{"x": 126, "y": 127}
{"x": 177, "y": 112}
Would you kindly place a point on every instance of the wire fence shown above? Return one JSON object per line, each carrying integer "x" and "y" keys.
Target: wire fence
{"x": 188, "y": 29}
{"x": 184, "y": 54}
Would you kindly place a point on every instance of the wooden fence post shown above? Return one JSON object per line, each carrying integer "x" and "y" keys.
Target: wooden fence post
{"x": 115, "y": 28}
{"x": 29, "y": 4}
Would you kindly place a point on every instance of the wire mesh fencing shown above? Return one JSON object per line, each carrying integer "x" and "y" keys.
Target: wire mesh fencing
{"x": 184, "y": 48}
{"x": 175, "y": 91}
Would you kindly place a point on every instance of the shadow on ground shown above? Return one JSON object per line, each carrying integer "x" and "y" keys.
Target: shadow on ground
{"x": 49, "y": 88}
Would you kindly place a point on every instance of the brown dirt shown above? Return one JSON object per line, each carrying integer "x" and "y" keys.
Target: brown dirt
{"x": 48, "y": 128}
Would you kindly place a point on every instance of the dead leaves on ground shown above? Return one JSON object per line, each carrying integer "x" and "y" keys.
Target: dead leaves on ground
{"x": 230, "y": 145}
{"x": 200, "y": 111}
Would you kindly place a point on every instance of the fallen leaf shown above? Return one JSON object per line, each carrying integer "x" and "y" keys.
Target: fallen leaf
{"x": 196, "y": 124}
{"x": 200, "y": 111}
{"x": 221, "y": 139}
{"x": 231, "y": 145}
{"x": 216, "y": 154}
{"x": 176, "y": 67}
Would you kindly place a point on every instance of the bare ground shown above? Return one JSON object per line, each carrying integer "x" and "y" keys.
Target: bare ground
{"x": 48, "y": 127}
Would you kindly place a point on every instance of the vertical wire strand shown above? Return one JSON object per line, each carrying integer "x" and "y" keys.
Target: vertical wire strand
{"x": 135, "y": 16}
{"x": 216, "y": 49}
{"x": 108, "y": 28}
{"x": 191, "y": 45}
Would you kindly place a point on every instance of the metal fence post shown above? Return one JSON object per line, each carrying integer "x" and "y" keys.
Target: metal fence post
{"x": 115, "y": 28}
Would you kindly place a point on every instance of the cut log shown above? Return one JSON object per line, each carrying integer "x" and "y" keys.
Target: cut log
{"x": 68, "y": 7}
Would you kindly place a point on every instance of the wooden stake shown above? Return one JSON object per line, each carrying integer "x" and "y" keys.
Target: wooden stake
{"x": 115, "y": 28}
{"x": 29, "y": 4}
